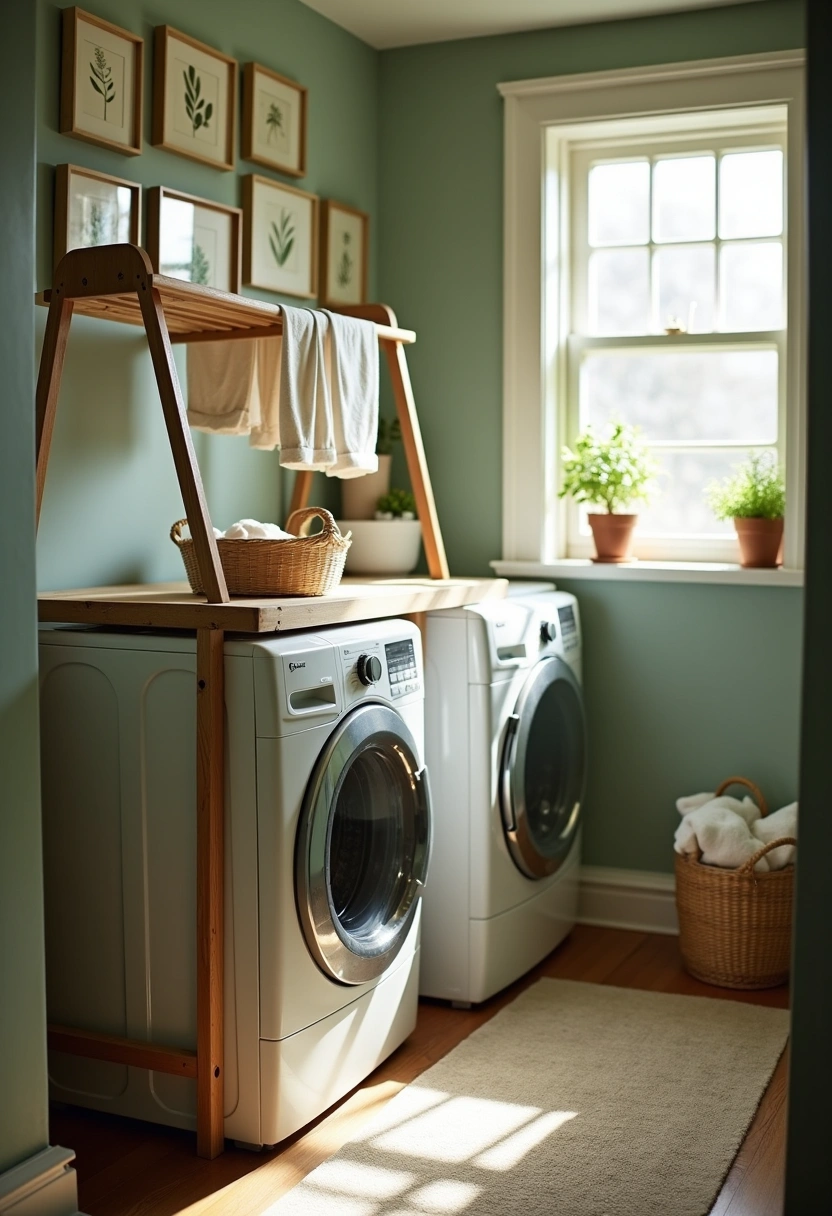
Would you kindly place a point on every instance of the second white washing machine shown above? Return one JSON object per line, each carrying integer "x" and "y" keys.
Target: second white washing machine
{"x": 505, "y": 741}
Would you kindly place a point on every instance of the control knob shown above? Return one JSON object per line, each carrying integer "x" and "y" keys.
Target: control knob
{"x": 368, "y": 669}
{"x": 548, "y": 631}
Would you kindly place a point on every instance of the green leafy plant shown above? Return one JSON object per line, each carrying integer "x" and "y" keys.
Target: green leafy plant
{"x": 755, "y": 490}
{"x": 282, "y": 237}
{"x": 98, "y": 225}
{"x": 274, "y": 121}
{"x": 611, "y": 470}
{"x": 101, "y": 79}
{"x": 200, "y": 266}
{"x": 400, "y": 504}
{"x": 388, "y": 434}
{"x": 346, "y": 264}
{"x": 195, "y": 107}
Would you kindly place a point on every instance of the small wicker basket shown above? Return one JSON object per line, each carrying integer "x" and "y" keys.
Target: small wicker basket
{"x": 304, "y": 565}
{"x": 735, "y": 926}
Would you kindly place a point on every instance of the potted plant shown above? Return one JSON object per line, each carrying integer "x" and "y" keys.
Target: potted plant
{"x": 389, "y": 543}
{"x": 360, "y": 494}
{"x": 611, "y": 471}
{"x": 754, "y": 497}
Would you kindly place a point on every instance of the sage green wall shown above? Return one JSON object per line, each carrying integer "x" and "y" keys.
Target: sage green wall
{"x": 23, "y": 1109}
{"x": 684, "y": 684}
{"x": 111, "y": 494}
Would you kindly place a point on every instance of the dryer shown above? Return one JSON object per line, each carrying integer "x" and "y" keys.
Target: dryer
{"x": 327, "y": 839}
{"x": 506, "y": 746}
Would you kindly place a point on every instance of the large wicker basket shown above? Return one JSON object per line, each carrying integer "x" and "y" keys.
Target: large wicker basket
{"x": 735, "y": 926}
{"x": 304, "y": 565}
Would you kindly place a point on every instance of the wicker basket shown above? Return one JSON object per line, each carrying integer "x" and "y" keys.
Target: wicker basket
{"x": 305, "y": 565}
{"x": 735, "y": 926}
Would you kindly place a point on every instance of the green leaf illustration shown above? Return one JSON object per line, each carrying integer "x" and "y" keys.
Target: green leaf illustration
{"x": 346, "y": 265}
{"x": 282, "y": 237}
{"x": 274, "y": 121}
{"x": 101, "y": 79}
{"x": 195, "y": 107}
{"x": 200, "y": 266}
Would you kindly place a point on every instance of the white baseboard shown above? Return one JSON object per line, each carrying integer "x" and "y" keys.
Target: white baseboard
{"x": 628, "y": 899}
{"x": 43, "y": 1185}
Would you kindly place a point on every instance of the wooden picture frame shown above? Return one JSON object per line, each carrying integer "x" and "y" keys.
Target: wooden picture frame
{"x": 344, "y": 260}
{"x": 194, "y": 99}
{"x": 177, "y": 249}
{"x": 280, "y": 237}
{"x": 274, "y": 120}
{"x": 85, "y": 209}
{"x": 101, "y": 70}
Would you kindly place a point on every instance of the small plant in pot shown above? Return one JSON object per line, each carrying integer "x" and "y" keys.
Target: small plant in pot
{"x": 388, "y": 544}
{"x": 754, "y": 497}
{"x": 612, "y": 471}
{"x": 398, "y": 504}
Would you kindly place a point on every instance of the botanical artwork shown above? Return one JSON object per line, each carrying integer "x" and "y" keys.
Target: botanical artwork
{"x": 343, "y": 268}
{"x": 193, "y": 99}
{"x": 197, "y": 241}
{"x": 101, "y": 82}
{"x": 282, "y": 237}
{"x": 99, "y": 213}
{"x": 279, "y": 237}
{"x": 274, "y": 120}
{"x": 197, "y": 101}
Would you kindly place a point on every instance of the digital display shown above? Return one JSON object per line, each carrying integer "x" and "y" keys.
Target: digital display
{"x": 401, "y": 667}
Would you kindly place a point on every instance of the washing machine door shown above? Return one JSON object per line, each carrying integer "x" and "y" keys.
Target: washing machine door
{"x": 543, "y": 769}
{"x": 363, "y": 843}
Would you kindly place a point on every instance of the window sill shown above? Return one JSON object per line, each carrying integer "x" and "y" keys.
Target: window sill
{"x": 649, "y": 572}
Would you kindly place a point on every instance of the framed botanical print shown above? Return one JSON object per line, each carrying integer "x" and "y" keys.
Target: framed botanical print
{"x": 194, "y": 98}
{"x": 94, "y": 209}
{"x": 280, "y": 237}
{"x": 344, "y": 254}
{"x": 194, "y": 239}
{"x": 101, "y": 82}
{"x": 274, "y": 120}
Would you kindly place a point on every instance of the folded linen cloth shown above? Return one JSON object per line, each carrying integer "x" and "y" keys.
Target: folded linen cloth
{"x": 721, "y": 835}
{"x": 747, "y": 809}
{"x": 223, "y": 386}
{"x": 252, "y": 529}
{"x": 307, "y": 440}
{"x": 780, "y": 823}
{"x": 353, "y": 378}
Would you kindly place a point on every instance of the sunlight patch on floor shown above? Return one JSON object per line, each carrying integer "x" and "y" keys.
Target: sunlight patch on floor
{"x": 512, "y": 1150}
{"x": 455, "y": 1130}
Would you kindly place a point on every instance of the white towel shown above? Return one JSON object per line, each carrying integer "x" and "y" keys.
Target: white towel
{"x": 306, "y": 433}
{"x": 265, "y": 432}
{"x": 252, "y": 529}
{"x": 722, "y": 837}
{"x": 354, "y": 382}
{"x": 747, "y": 809}
{"x": 683, "y": 805}
{"x": 780, "y": 823}
{"x": 223, "y": 388}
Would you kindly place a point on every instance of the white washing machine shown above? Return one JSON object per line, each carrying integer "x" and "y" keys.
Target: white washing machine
{"x": 327, "y": 839}
{"x": 505, "y": 740}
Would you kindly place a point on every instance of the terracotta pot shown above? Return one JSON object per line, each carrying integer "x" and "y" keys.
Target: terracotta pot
{"x": 760, "y": 542}
{"x": 613, "y": 536}
{"x": 359, "y": 495}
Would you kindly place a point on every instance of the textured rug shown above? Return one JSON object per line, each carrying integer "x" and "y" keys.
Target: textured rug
{"x": 575, "y": 1100}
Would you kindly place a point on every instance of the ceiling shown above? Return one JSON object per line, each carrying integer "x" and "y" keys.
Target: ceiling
{"x": 389, "y": 23}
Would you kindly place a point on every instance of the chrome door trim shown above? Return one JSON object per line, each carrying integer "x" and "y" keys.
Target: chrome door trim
{"x": 524, "y": 852}
{"x": 341, "y": 955}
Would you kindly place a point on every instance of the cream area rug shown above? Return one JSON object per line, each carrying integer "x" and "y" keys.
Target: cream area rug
{"x": 575, "y": 1100}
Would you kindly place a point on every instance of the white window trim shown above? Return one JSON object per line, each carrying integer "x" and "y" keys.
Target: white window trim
{"x": 531, "y": 427}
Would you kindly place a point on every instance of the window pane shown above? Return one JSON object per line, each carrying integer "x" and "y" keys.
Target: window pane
{"x": 619, "y": 203}
{"x": 751, "y": 286}
{"x": 619, "y": 291}
{"x": 685, "y": 396}
{"x": 685, "y": 287}
{"x": 684, "y": 198}
{"x": 679, "y": 507}
{"x": 751, "y": 194}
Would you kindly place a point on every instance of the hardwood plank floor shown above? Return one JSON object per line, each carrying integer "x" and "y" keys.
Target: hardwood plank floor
{"x": 129, "y": 1168}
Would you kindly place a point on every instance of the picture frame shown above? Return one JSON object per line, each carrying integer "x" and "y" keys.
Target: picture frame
{"x": 94, "y": 208}
{"x": 194, "y": 98}
{"x": 101, "y": 82}
{"x": 194, "y": 239}
{"x": 274, "y": 120}
{"x": 344, "y": 254}
{"x": 280, "y": 237}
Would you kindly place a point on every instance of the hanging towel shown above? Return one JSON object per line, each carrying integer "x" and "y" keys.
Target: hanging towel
{"x": 223, "y": 387}
{"x": 354, "y": 382}
{"x": 305, "y": 422}
{"x": 781, "y": 823}
{"x": 265, "y": 433}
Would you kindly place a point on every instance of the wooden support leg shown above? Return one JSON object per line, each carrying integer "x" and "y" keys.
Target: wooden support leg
{"x": 184, "y": 457}
{"x": 49, "y": 383}
{"x": 301, "y": 490}
{"x": 210, "y": 797}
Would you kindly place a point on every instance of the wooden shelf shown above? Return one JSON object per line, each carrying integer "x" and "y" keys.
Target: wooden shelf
{"x": 174, "y": 606}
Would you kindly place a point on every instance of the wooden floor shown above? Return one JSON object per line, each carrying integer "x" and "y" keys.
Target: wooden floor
{"x": 129, "y": 1168}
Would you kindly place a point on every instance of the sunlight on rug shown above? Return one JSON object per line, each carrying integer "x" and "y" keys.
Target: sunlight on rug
{"x": 577, "y": 1100}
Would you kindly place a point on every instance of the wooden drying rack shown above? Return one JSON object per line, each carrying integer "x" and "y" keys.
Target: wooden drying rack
{"x": 117, "y": 282}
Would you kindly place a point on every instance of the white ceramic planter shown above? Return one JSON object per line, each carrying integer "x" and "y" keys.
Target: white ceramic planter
{"x": 382, "y": 546}
{"x": 359, "y": 495}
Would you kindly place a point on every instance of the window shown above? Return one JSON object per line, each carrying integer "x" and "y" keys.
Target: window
{"x": 676, "y": 310}
{"x": 653, "y": 272}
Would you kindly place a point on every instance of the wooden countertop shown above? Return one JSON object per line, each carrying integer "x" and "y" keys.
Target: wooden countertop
{"x": 174, "y": 606}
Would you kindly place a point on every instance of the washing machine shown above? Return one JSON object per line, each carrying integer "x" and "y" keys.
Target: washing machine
{"x": 328, "y": 824}
{"x": 506, "y": 747}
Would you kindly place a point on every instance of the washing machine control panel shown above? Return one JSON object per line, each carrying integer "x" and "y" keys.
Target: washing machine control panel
{"x": 368, "y": 668}
{"x": 401, "y": 666}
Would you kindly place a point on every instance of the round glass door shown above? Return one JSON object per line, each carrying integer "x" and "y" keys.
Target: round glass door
{"x": 544, "y": 769}
{"x": 362, "y": 846}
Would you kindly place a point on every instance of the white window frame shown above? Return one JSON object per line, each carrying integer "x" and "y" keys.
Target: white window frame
{"x": 536, "y": 112}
